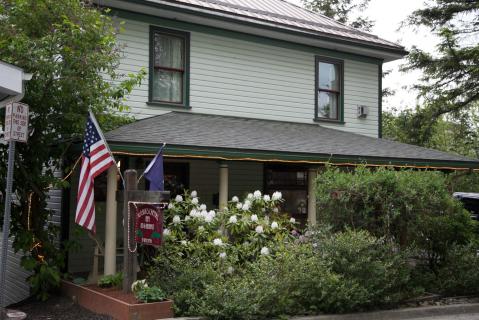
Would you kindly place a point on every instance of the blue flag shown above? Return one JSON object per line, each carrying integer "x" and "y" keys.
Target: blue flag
{"x": 154, "y": 172}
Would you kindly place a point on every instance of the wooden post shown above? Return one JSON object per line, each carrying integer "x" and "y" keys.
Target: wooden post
{"x": 110, "y": 226}
{"x": 132, "y": 194}
{"x": 129, "y": 258}
{"x": 223, "y": 186}
{"x": 312, "y": 174}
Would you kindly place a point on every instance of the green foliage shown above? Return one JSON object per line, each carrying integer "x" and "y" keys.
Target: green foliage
{"x": 455, "y": 134}
{"x": 150, "y": 294}
{"x": 459, "y": 275}
{"x": 312, "y": 275}
{"x": 450, "y": 73}
{"x": 410, "y": 208}
{"x": 70, "y": 48}
{"x": 343, "y": 11}
{"x": 369, "y": 263}
{"x": 111, "y": 280}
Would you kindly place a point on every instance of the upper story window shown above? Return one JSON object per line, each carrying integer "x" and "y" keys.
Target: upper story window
{"x": 329, "y": 89}
{"x": 169, "y": 67}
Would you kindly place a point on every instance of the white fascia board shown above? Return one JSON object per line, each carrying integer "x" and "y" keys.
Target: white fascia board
{"x": 11, "y": 79}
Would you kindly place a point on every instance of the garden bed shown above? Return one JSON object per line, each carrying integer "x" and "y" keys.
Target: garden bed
{"x": 116, "y": 303}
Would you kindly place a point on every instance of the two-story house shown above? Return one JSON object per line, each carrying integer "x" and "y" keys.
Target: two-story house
{"x": 250, "y": 95}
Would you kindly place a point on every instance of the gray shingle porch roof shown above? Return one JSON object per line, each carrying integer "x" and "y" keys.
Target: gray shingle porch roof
{"x": 233, "y": 137}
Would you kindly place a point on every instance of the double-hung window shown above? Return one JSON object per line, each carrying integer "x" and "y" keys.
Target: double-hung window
{"x": 329, "y": 89}
{"x": 169, "y": 54}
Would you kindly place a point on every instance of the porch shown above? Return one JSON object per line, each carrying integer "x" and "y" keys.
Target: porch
{"x": 221, "y": 157}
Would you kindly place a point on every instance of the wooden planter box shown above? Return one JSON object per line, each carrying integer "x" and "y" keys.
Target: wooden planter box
{"x": 115, "y": 303}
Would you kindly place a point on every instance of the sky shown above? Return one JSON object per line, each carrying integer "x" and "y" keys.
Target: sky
{"x": 388, "y": 15}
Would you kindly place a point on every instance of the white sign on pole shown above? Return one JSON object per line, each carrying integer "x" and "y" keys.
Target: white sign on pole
{"x": 16, "y": 122}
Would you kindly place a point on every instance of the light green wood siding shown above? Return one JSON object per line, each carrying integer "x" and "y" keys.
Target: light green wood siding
{"x": 248, "y": 79}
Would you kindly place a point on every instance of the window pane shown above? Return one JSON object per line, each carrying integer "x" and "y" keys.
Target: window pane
{"x": 328, "y": 75}
{"x": 169, "y": 51}
{"x": 327, "y": 105}
{"x": 168, "y": 86}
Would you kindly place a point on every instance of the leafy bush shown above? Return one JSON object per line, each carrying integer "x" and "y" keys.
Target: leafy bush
{"x": 411, "y": 208}
{"x": 112, "y": 280}
{"x": 458, "y": 275}
{"x": 150, "y": 294}
{"x": 298, "y": 277}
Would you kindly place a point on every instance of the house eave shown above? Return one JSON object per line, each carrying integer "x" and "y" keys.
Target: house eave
{"x": 258, "y": 27}
{"x": 226, "y": 154}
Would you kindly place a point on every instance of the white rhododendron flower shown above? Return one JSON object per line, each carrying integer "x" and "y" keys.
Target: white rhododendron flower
{"x": 259, "y": 229}
{"x": 235, "y": 199}
{"x": 138, "y": 284}
{"x": 209, "y": 218}
{"x": 194, "y": 201}
{"x": 274, "y": 225}
{"x": 292, "y": 220}
{"x": 176, "y": 219}
{"x": 184, "y": 242}
{"x": 233, "y": 219}
{"x": 187, "y": 218}
{"x": 179, "y": 198}
{"x": 194, "y": 194}
{"x": 201, "y": 228}
{"x": 230, "y": 270}
{"x": 166, "y": 232}
{"x": 250, "y": 196}
{"x": 239, "y": 205}
{"x": 194, "y": 213}
{"x": 218, "y": 242}
{"x": 203, "y": 213}
{"x": 212, "y": 213}
{"x": 277, "y": 196}
{"x": 257, "y": 194}
{"x": 203, "y": 207}
{"x": 266, "y": 198}
{"x": 254, "y": 218}
{"x": 246, "y": 205}
{"x": 223, "y": 255}
{"x": 264, "y": 251}
{"x": 171, "y": 205}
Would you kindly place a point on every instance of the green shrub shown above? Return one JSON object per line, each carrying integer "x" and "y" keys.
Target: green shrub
{"x": 373, "y": 264}
{"x": 150, "y": 294}
{"x": 459, "y": 274}
{"x": 411, "y": 208}
{"x": 109, "y": 281}
{"x": 314, "y": 274}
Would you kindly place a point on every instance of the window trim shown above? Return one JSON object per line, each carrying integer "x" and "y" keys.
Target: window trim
{"x": 186, "y": 71}
{"x": 340, "y": 63}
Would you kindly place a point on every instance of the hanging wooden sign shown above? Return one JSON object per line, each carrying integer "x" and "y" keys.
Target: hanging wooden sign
{"x": 148, "y": 223}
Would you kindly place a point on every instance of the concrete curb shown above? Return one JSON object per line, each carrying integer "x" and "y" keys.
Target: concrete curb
{"x": 401, "y": 314}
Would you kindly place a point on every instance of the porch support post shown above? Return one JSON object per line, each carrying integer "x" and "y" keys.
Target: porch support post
{"x": 312, "y": 174}
{"x": 223, "y": 187}
{"x": 110, "y": 225}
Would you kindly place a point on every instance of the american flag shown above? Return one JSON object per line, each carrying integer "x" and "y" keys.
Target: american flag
{"x": 96, "y": 158}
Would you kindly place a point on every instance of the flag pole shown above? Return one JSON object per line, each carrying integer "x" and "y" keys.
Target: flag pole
{"x": 106, "y": 144}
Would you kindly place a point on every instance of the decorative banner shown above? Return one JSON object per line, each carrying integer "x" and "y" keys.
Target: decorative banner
{"x": 148, "y": 223}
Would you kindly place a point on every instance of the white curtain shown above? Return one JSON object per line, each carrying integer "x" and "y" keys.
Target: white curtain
{"x": 169, "y": 53}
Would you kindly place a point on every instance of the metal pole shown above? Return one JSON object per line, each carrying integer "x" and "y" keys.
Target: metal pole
{"x": 6, "y": 226}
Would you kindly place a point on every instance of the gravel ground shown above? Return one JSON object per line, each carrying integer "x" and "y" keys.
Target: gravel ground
{"x": 56, "y": 308}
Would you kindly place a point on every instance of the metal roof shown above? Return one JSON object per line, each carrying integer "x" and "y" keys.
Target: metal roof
{"x": 283, "y": 14}
{"x": 235, "y": 133}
